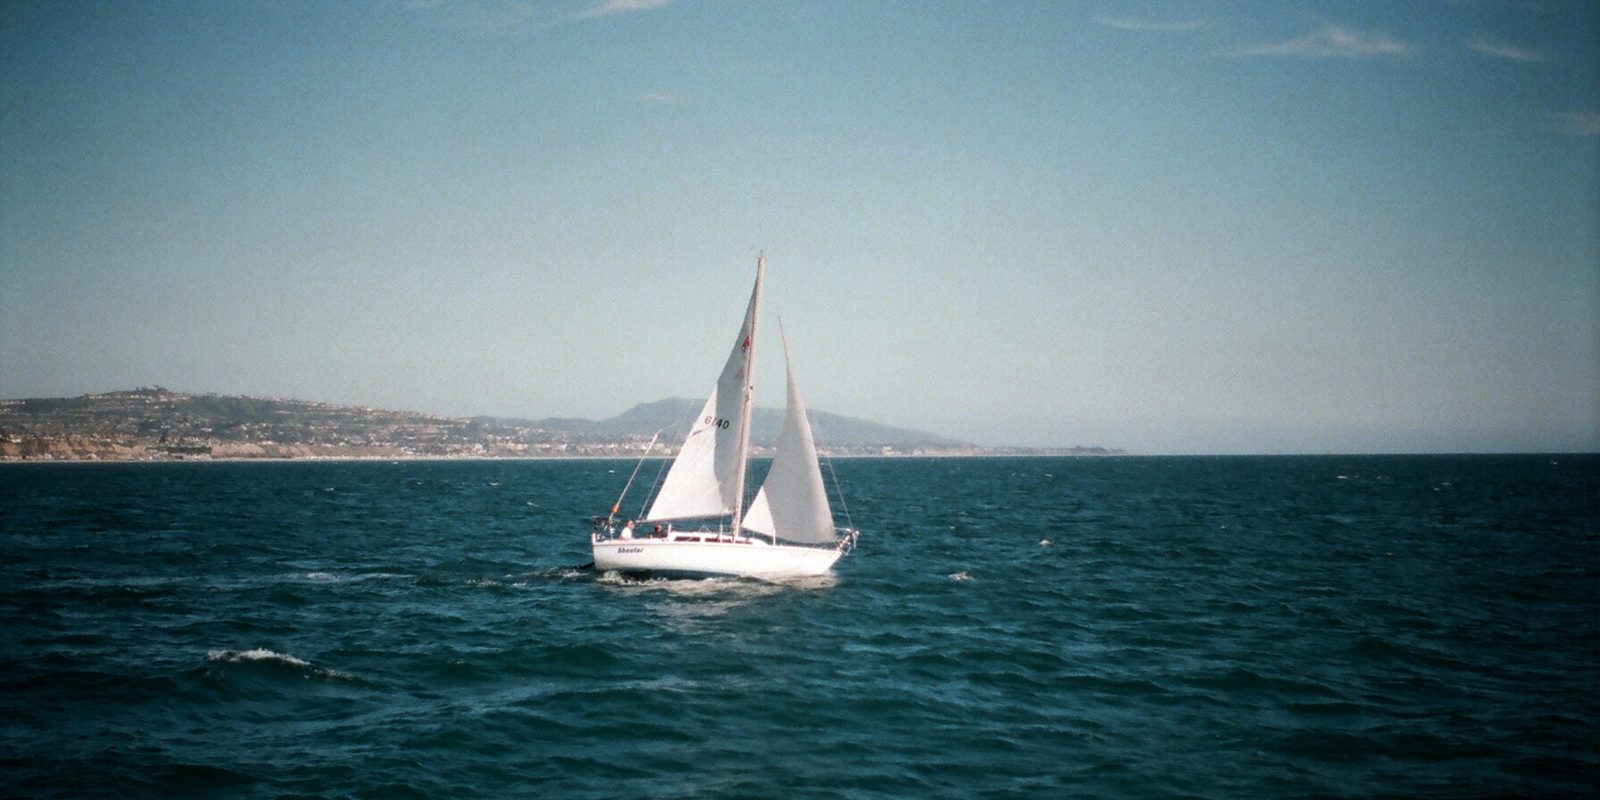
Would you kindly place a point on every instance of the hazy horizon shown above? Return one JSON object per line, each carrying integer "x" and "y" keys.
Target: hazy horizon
{"x": 1185, "y": 227}
{"x": 776, "y": 409}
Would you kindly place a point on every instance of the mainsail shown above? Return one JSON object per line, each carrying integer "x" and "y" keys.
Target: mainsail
{"x": 707, "y": 477}
{"x": 793, "y": 503}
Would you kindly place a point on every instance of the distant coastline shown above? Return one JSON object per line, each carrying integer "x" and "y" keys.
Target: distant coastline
{"x": 988, "y": 454}
{"x": 154, "y": 424}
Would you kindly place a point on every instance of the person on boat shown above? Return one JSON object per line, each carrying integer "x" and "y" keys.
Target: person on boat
{"x": 627, "y": 530}
{"x": 657, "y": 533}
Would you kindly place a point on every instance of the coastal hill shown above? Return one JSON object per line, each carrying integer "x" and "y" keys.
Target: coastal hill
{"x": 672, "y": 416}
{"x": 151, "y": 424}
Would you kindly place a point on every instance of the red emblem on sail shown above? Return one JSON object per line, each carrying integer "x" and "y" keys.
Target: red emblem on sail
{"x": 746, "y": 345}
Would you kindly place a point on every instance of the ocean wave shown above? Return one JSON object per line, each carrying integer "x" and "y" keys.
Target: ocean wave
{"x": 256, "y": 654}
{"x": 273, "y": 658}
{"x": 323, "y": 576}
{"x": 717, "y": 587}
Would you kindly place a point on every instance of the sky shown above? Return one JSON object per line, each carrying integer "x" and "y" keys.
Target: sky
{"x": 1169, "y": 227}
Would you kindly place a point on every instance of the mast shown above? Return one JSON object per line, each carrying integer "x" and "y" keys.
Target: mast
{"x": 746, "y": 395}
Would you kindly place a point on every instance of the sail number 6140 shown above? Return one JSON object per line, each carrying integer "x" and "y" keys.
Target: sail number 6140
{"x": 717, "y": 422}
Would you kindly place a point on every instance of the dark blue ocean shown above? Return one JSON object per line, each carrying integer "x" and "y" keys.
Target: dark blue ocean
{"x": 1093, "y": 627}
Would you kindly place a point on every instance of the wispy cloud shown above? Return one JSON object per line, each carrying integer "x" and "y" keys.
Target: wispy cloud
{"x": 1332, "y": 41}
{"x": 659, "y": 98}
{"x": 1582, "y": 123}
{"x": 511, "y": 17}
{"x": 1123, "y": 24}
{"x": 607, "y": 8}
{"x": 1506, "y": 51}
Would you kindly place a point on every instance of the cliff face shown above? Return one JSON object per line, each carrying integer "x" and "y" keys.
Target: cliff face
{"x": 72, "y": 449}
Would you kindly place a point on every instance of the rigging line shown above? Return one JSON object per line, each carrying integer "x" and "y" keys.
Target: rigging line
{"x": 838, "y": 492}
{"x": 661, "y": 469}
{"x": 655, "y": 486}
{"x": 635, "y": 473}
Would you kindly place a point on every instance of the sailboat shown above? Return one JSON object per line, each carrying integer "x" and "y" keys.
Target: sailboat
{"x": 698, "y": 523}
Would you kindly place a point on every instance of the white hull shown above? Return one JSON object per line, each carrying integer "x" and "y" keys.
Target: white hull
{"x": 724, "y": 556}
